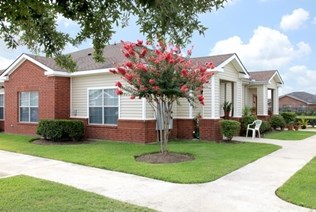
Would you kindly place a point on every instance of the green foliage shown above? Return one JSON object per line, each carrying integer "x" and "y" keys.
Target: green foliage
{"x": 303, "y": 122}
{"x": 34, "y": 23}
{"x": 265, "y": 127}
{"x": 300, "y": 188}
{"x": 288, "y": 117}
{"x": 227, "y": 106}
{"x": 246, "y": 111}
{"x": 24, "y": 193}
{"x": 57, "y": 129}
{"x": 277, "y": 121}
{"x": 229, "y": 128}
{"x": 245, "y": 121}
{"x": 289, "y": 135}
{"x": 212, "y": 160}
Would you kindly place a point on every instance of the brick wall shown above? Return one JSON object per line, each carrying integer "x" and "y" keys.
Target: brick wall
{"x": 138, "y": 131}
{"x": 54, "y": 96}
{"x": 285, "y": 101}
{"x": 210, "y": 129}
{"x": 184, "y": 128}
{"x": 1, "y": 126}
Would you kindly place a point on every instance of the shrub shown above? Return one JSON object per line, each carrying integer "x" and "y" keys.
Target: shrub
{"x": 229, "y": 128}
{"x": 265, "y": 127}
{"x": 277, "y": 121}
{"x": 59, "y": 129}
{"x": 289, "y": 117}
{"x": 245, "y": 121}
{"x": 303, "y": 122}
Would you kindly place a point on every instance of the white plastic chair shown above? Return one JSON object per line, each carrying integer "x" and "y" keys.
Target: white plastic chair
{"x": 257, "y": 123}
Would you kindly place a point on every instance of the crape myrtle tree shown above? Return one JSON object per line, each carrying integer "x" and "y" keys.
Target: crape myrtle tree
{"x": 33, "y": 23}
{"x": 162, "y": 76}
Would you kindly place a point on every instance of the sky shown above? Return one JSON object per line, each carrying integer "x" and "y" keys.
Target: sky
{"x": 265, "y": 34}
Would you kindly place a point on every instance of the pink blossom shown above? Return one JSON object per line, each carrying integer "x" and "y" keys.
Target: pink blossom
{"x": 210, "y": 65}
{"x": 113, "y": 71}
{"x": 168, "y": 56}
{"x": 126, "y": 54}
{"x": 121, "y": 70}
{"x": 158, "y": 52}
{"x": 119, "y": 91}
{"x": 152, "y": 81}
{"x": 184, "y": 88}
{"x": 141, "y": 66}
{"x": 156, "y": 88}
{"x": 189, "y": 52}
{"x": 201, "y": 99}
{"x": 184, "y": 72}
{"x": 139, "y": 43}
{"x": 202, "y": 70}
{"x": 118, "y": 84}
{"x": 143, "y": 52}
{"x": 129, "y": 77}
{"x": 132, "y": 97}
{"x": 129, "y": 64}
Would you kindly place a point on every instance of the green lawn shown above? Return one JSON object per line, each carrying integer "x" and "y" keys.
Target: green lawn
{"x": 301, "y": 188}
{"x": 212, "y": 160}
{"x": 289, "y": 135}
{"x": 23, "y": 193}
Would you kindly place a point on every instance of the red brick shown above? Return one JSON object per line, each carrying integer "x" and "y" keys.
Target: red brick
{"x": 54, "y": 96}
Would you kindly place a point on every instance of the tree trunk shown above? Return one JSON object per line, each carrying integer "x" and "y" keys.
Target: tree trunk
{"x": 163, "y": 115}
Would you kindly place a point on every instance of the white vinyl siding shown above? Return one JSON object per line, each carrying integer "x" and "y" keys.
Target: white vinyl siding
{"x": 150, "y": 113}
{"x": 129, "y": 109}
{"x": 183, "y": 109}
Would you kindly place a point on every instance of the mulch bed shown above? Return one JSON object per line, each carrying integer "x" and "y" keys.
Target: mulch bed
{"x": 159, "y": 158}
{"x": 49, "y": 142}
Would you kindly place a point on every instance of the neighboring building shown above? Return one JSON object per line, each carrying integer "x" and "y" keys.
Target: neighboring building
{"x": 298, "y": 102}
{"x": 34, "y": 88}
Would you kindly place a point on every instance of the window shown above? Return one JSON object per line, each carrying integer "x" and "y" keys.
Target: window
{"x": 1, "y": 106}
{"x": 103, "y": 106}
{"x": 29, "y": 106}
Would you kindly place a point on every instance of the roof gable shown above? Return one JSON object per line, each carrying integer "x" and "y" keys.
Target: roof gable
{"x": 220, "y": 61}
{"x": 266, "y": 76}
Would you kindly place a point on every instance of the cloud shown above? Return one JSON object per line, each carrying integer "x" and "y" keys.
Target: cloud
{"x": 266, "y": 49}
{"x": 4, "y": 63}
{"x": 295, "y": 20}
{"x": 314, "y": 21}
{"x": 303, "y": 77}
{"x": 64, "y": 22}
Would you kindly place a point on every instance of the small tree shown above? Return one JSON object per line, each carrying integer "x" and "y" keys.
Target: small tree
{"x": 162, "y": 76}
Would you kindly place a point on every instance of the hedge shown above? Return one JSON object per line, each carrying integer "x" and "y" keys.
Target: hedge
{"x": 229, "y": 128}
{"x": 60, "y": 129}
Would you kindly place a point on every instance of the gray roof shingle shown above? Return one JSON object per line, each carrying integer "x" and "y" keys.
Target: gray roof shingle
{"x": 113, "y": 55}
{"x": 303, "y": 96}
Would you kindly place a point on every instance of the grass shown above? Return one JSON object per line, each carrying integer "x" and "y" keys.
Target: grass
{"x": 289, "y": 135}
{"x": 23, "y": 193}
{"x": 300, "y": 189}
{"x": 212, "y": 160}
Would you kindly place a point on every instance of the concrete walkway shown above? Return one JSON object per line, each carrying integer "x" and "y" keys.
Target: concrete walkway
{"x": 251, "y": 188}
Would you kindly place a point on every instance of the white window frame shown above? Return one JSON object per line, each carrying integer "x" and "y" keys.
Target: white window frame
{"x": 2, "y": 106}
{"x": 29, "y": 106}
{"x": 88, "y": 105}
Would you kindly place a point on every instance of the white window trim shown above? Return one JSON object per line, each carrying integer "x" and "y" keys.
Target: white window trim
{"x": 29, "y": 107}
{"x": 88, "y": 106}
